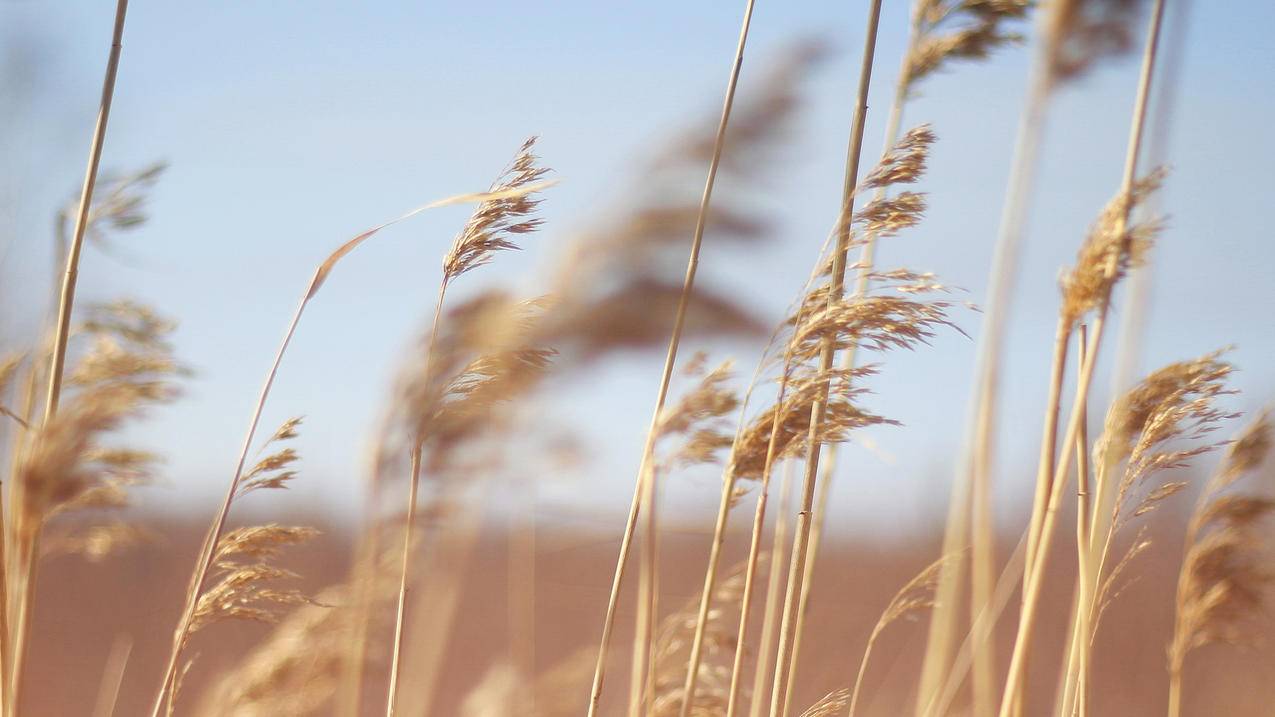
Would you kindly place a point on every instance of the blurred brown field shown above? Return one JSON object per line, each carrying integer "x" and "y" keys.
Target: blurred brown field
{"x": 84, "y": 608}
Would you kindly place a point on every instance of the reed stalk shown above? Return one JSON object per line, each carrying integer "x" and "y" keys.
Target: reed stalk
{"x": 828, "y": 469}
{"x": 679, "y": 322}
{"x": 642, "y": 682}
{"x": 1033, "y": 577}
{"x": 1084, "y": 629}
{"x": 801, "y": 541}
{"x": 409, "y": 529}
{"x": 17, "y": 652}
{"x": 396, "y": 656}
{"x": 774, "y": 584}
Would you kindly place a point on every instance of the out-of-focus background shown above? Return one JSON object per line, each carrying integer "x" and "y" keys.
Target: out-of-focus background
{"x": 289, "y": 127}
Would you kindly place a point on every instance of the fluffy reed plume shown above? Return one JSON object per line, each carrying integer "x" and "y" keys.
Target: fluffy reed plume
{"x": 495, "y": 222}
{"x": 491, "y": 228}
{"x": 65, "y": 467}
{"x": 204, "y": 563}
{"x": 877, "y": 321}
{"x": 244, "y": 592}
{"x": 1112, "y": 241}
{"x": 833, "y": 703}
{"x": 119, "y": 204}
{"x": 947, "y": 31}
{"x": 673, "y": 643}
{"x": 817, "y": 320}
{"x": 1175, "y": 403}
{"x": 916, "y": 596}
{"x": 245, "y": 576}
{"x": 1223, "y": 580}
{"x": 692, "y": 431}
{"x": 1159, "y": 425}
{"x": 293, "y": 672}
{"x": 1081, "y": 33}
{"x": 544, "y": 696}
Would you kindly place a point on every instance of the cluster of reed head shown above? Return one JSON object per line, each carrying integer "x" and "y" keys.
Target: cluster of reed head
{"x": 464, "y": 407}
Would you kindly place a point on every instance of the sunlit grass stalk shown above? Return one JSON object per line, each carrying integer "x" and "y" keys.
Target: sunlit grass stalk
{"x": 1084, "y": 630}
{"x": 62, "y": 333}
{"x": 409, "y": 534}
{"x": 770, "y": 618}
{"x": 679, "y": 322}
{"x": 409, "y": 528}
{"x": 801, "y": 540}
{"x": 1033, "y": 577}
{"x": 1004, "y": 273}
{"x": 642, "y": 676}
{"x": 108, "y": 690}
{"x": 866, "y": 263}
{"x": 828, "y": 469}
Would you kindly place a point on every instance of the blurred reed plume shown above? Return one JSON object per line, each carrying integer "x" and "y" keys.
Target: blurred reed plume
{"x": 457, "y": 587}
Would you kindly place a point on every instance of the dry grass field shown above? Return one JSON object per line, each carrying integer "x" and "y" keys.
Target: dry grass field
{"x": 1133, "y": 580}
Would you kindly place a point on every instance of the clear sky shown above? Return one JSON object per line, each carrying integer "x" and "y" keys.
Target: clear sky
{"x": 290, "y": 126}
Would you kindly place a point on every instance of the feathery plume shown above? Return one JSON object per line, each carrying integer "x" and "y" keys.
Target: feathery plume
{"x": 1112, "y": 239}
{"x": 961, "y": 30}
{"x": 1224, "y": 578}
{"x": 495, "y": 222}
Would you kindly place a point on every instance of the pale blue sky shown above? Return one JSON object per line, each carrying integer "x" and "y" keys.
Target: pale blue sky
{"x": 290, "y": 126}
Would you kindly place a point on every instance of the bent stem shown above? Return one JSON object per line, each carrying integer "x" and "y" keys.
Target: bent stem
{"x": 679, "y": 322}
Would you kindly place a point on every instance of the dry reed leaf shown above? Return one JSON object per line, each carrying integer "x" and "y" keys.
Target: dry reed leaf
{"x": 325, "y": 268}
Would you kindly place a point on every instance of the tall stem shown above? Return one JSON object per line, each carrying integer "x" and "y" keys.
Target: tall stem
{"x": 801, "y": 542}
{"x": 396, "y": 659}
{"x": 769, "y": 615}
{"x": 679, "y": 322}
{"x": 1034, "y": 575}
{"x": 391, "y": 701}
{"x": 641, "y": 685}
{"x": 827, "y": 470}
{"x": 208, "y": 554}
{"x": 1083, "y": 627}
{"x": 61, "y": 337}
{"x": 67, "y": 298}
